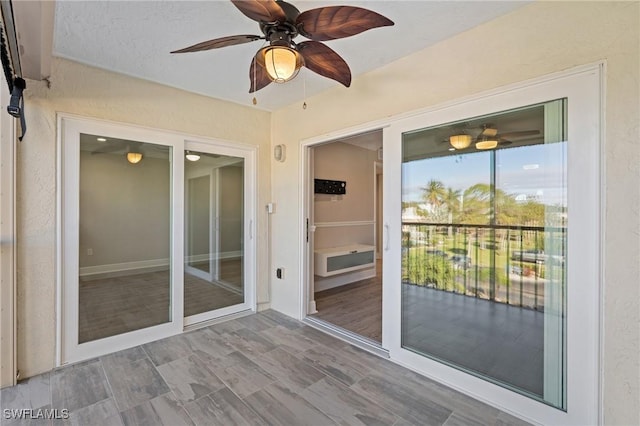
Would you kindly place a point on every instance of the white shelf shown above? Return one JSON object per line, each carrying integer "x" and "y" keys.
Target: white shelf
{"x": 339, "y": 260}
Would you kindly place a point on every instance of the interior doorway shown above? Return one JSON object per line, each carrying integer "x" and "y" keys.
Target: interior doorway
{"x": 345, "y": 210}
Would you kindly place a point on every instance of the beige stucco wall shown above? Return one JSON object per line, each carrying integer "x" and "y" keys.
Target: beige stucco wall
{"x": 536, "y": 40}
{"x": 90, "y": 92}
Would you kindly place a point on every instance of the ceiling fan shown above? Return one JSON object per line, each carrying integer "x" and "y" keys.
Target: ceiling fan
{"x": 281, "y": 22}
{"x": 488, "y": 138}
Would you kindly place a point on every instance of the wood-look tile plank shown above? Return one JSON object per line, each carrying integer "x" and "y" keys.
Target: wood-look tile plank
{"x": 335, "y": 364}
{"x": 30, "y": 393}
{"x": 403, "y": 399}
{"x": 103, "y": 413}
{"x": 134, "y": 382}
{"x": 79, "y": 386}
{"x": 291, "y": 339}
{"x": 222, "y": 408}
{"x": 190, "y": 378}
{"x": 344, "y": 405}
{"x": 249, "y": 342}
{"x": 242, "y": 375}
{"x": 278, "y": 405}
{"x": 164, "y": 410}
{"x": 167, "y": 350}
{"x": 295, "y": 373}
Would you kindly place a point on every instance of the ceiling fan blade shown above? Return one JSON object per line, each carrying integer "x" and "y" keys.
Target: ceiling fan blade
{"x": 329, "y": 23}
{"x": 217, "y": 43}
{"x": 321, "y": 59}
{"x": 257, "y": 75}
{"x": 261, "y": 10}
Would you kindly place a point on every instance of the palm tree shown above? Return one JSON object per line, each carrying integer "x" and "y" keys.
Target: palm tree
{"x": 433, "y": 194}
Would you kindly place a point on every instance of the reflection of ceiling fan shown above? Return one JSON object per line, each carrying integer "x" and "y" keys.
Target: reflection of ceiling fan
{"x": 489, "y": 138}
{"x": 281, "y": 22}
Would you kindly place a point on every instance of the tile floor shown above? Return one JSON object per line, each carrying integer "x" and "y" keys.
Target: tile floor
{"x": 263, "y": 369}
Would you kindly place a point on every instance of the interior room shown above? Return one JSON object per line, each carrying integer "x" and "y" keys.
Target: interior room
{"x": 124, "y": 237}
{"x": 470, "y": 255}
{"x": 347, "y": 282}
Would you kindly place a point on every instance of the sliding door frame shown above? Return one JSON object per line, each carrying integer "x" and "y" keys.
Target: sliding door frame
{"x": 248, "y": 154}
{"x": 70, "y": 126}
{"x": 583, "y": 91}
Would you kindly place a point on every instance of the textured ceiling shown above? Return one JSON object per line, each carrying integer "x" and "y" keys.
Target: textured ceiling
{"x": 135, "y": 38}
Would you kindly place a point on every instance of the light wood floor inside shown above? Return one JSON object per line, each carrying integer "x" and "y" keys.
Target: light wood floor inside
{"x": 356, "y": 307}
{"x": 111, "y": 306}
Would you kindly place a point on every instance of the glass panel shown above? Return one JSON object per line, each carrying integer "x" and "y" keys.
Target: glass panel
{"x": 214, "y": 217}
{"x": 125, "y": 268}
{"x": 335, "y": 263}
{"x": 483, "y": 248}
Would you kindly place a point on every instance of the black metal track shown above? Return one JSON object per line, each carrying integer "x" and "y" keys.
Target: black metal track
{"x": 6, "y": 61}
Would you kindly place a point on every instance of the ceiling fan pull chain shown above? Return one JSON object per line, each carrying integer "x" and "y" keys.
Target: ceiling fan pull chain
{"x": 304, "y": 93}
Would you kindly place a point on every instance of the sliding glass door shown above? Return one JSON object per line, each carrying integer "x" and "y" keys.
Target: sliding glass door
{"x": 214, "y": 268}
{"x": 491, "y": 259}
{"x": 156, "y": 234}
{"x": 124, "y": 279}
{"x": 484, "y": 236}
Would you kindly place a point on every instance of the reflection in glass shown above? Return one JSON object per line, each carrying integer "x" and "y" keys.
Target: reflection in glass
{"x": 483, "y": 248}
{"x": 214, "y": 212}
{"x": 124, "y": 240}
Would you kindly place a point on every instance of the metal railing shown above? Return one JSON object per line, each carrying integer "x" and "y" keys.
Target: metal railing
{"x": 503, "y": 263}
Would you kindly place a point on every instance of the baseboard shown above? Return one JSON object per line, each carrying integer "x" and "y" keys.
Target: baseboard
{"x": 326, "y": 283}
{"x": 122, "y": 269}
{"x": 143, "y": 266}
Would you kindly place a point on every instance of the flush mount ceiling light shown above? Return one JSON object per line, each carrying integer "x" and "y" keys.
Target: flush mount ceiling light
{"x": 134, "y": 157}
{"x": 461, "y": 141}
{"x": 101, "y": 140}
{"x": 191, "y": 156}
{"x": 281, "y": 22}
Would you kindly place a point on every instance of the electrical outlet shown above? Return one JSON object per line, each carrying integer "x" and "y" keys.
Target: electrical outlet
{"x": 280, "y": 273}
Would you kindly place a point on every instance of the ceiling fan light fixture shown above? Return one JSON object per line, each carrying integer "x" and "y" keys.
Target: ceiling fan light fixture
{"x": 191, "y": 156}
{"x": 461, "y": 141}
{"x": 486, "y": 144}
{"x": 282, "y": 63}
{"x": 134, "y": 157}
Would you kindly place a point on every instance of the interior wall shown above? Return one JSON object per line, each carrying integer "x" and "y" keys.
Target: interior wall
{"x": 231, "y": 197}
{"x": 90, "y": 92}
{"x": 354, "y": 165}
{"x": 124, "y": 210}
{"x": 533, "y": 41}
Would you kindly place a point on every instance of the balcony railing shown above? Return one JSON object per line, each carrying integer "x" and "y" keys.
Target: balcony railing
{"x": 502, "y": 263}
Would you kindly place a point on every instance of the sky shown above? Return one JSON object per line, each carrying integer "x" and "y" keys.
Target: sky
{"x": 528, "y": 171}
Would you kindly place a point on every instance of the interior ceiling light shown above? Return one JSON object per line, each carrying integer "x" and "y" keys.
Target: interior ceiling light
{"x": 461, "y": 141}
{"x": 101, "y": 140}
{"x": 486, "y": 144}
{"x": 281, "y": 63}
{"x": 134, "y": 157}
{"x": 191, "y": 156}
